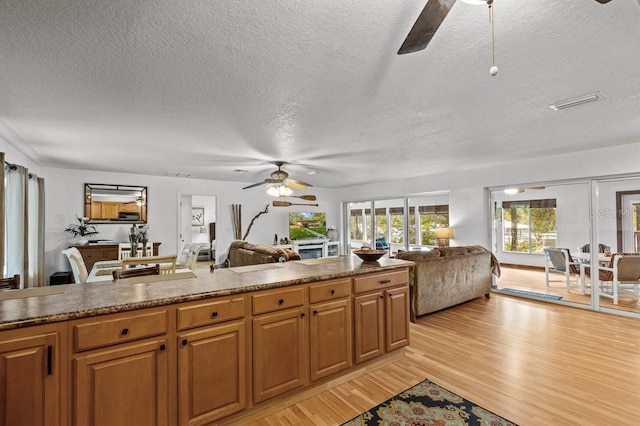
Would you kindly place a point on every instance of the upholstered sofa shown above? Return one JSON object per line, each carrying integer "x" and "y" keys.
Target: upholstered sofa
{"x": 243, "y": 253}
{"x": 448, "y": 276}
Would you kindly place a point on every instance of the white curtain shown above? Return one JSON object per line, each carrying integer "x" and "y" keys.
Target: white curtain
{"x": 23, "y": 228}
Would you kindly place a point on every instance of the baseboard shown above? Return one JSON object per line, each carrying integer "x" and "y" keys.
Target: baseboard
{"x": 518, "y": 266}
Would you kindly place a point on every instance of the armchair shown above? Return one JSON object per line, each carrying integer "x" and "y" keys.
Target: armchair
{"x": 623, "y": 269}
{"x": 560, "y": 260}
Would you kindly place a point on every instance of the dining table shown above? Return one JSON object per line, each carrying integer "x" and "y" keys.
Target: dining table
{"x": 103, "y": 271}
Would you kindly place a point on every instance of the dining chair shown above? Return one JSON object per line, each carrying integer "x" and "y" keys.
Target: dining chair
{"x": 11, "y": 283}
{"x": 623, "y": 269}
{"x": 560, "y": 260}
{"x": 189, "y": 256}
{"x": 136, "y": 272}
{"x": 78, "y": 266}
{"x": 602, "y": 248}
{"x": 167, "y": 263}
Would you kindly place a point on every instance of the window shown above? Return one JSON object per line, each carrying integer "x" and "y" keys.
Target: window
{"x": 429, "y": 218}
{"x": 529, "y": 225}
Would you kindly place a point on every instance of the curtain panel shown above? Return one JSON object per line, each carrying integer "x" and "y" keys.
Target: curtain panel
{"x": 22, "y": 214}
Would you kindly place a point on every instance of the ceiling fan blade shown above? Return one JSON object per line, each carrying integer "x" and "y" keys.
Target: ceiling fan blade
{"x": 426, "y": 25}
{"x": 254, "y": 185}
{"x": 296, "y": 184}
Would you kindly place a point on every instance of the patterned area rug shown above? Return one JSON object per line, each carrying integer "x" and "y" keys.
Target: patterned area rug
{"x": 428, "y": 404}
{"x": 531, "y": 293}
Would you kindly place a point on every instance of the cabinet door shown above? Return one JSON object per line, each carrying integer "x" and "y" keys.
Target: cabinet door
{"x": 330, "y": 338}
{"x": 368, "y": 326}
{"x": 30, "y": 380}
{"x": 123, "y": 385}
{"x": 280, "y": 361}
{"x": 397, "y": 318}
{"x": 211, "y": 373}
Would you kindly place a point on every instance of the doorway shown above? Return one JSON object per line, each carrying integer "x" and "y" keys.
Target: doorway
{"x": 197, "y": 219}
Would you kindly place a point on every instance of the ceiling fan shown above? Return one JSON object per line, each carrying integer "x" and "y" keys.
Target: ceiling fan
{"x": 429, "y": 21}
{"x": 280, "y": 179}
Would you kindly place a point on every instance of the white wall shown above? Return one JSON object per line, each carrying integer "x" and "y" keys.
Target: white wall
{"x": 64, "y": 195}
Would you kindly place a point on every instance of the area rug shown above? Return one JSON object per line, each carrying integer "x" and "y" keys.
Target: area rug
{"x": 531, "y": 293}
{"x": 428, "y": 404}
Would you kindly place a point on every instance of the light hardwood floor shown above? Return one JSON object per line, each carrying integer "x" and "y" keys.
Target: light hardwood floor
{"x": 532, "y": 362}
{"x": 534, "y": 280}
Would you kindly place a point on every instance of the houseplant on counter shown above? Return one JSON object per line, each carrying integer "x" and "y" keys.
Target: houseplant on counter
{"x": 82, "y": 229}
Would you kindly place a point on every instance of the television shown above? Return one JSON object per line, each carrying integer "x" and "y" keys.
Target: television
{"x": 307, "y": 225}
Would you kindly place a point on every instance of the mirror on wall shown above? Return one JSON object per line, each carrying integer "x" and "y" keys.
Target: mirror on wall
{"x": 115, "y": 203}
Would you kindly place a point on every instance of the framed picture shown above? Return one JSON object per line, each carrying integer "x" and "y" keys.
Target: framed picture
{"x": 197, "y": 216}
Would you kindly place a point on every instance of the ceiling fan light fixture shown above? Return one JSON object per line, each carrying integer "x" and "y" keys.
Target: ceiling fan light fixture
{"x": 569, "y": 103}
{"x": 278, "y": 190}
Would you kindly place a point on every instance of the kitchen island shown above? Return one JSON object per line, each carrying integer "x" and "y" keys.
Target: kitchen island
{"x": 203, "y": 350}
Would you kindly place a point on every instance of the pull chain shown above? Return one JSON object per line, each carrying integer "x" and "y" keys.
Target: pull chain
{"x": 494, "y": 69}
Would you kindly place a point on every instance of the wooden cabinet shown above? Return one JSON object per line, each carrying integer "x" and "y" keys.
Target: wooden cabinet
{"x": 330, "y": 331}
{"x": 212, "y": 360}
{"x": 92, "y": 253}
{"x": 280, "y": 358}
{"x": 30, "y": 376}
{"x": 120, "y": 372}
{"x": 381, "y": 314}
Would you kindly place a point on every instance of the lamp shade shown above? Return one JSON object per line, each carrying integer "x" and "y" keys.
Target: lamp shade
{"x": 443, "y": 233}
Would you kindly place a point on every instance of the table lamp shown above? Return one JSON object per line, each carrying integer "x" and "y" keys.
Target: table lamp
{"x": 443, "y": 235}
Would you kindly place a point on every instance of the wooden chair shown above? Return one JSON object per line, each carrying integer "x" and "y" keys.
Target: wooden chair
{"x": 136, "y": 272}
{"x": 124, "y": 250}
{"x": 78, "y": 267}
{"x": 11, "y": 283}
{"x": 560, "y": 260}
{"x": 167, "y": 263}
{"x": 189, "y": 256}
{"x": 623, "y": 269}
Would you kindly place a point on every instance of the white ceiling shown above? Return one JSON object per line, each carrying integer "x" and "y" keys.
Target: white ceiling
{"x": 207, "y": 87}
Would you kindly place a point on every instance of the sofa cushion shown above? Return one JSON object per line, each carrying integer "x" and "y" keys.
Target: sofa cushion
{"x": 416, "y": 255}
{"x": 452, "y": 251}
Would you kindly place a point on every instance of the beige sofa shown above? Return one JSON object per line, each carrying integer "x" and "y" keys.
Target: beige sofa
{"x": 243, "y": 253}
{"x": 447, "y": 276}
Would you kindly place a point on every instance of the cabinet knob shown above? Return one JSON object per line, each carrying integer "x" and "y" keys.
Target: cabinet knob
{"x": 315, "y": 312}
{"x": 163, "y": 347}
{"x": 381, "y": 296}
{"x": 333, "y": 292}
{"x": 280, "y": 302}
{"x": 184, "y": 342}
{"x": 214, "y": 314}
{"x": 302, "y": 315}
{"x": 124, "y": 331}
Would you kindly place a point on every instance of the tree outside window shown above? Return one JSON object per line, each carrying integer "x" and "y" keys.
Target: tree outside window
{"x": 529, "y": 225}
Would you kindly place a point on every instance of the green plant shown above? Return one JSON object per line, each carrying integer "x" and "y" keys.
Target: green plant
{"x": 82, "y": 228}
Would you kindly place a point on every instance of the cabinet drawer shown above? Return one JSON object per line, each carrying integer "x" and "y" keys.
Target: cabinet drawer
{"x": 378, "y": 281}
{"x": 105, "y": 332}
{"x": 329, "y": 290}
{"x": 277, "y": 300}
{"x": 213, "y": 312}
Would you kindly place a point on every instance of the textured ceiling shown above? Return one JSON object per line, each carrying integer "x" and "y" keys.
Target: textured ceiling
{"x": 207, "y": 87}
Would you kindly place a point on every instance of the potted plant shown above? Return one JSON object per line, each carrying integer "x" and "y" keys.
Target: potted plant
{"x": 82, "y": 229}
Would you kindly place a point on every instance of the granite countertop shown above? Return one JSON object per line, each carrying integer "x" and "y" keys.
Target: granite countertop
{"x": 72, "y": 301}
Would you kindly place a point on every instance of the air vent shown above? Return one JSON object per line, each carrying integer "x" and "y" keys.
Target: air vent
{"x": 177, "y": 174}
{"x": 569, "y": 103}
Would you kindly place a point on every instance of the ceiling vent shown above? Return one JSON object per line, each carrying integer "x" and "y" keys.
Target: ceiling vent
{"x": 177, "y": 174}
{"x": 569, "y": 103}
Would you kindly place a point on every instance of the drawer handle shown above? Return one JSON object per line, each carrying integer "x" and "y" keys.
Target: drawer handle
{"x": 333, "y": 292}
{"x": 280, "y": 302}
{"x": 214, "y": 314}
{"x": 384, "y": 281}
{"x": 124, "y": 331}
